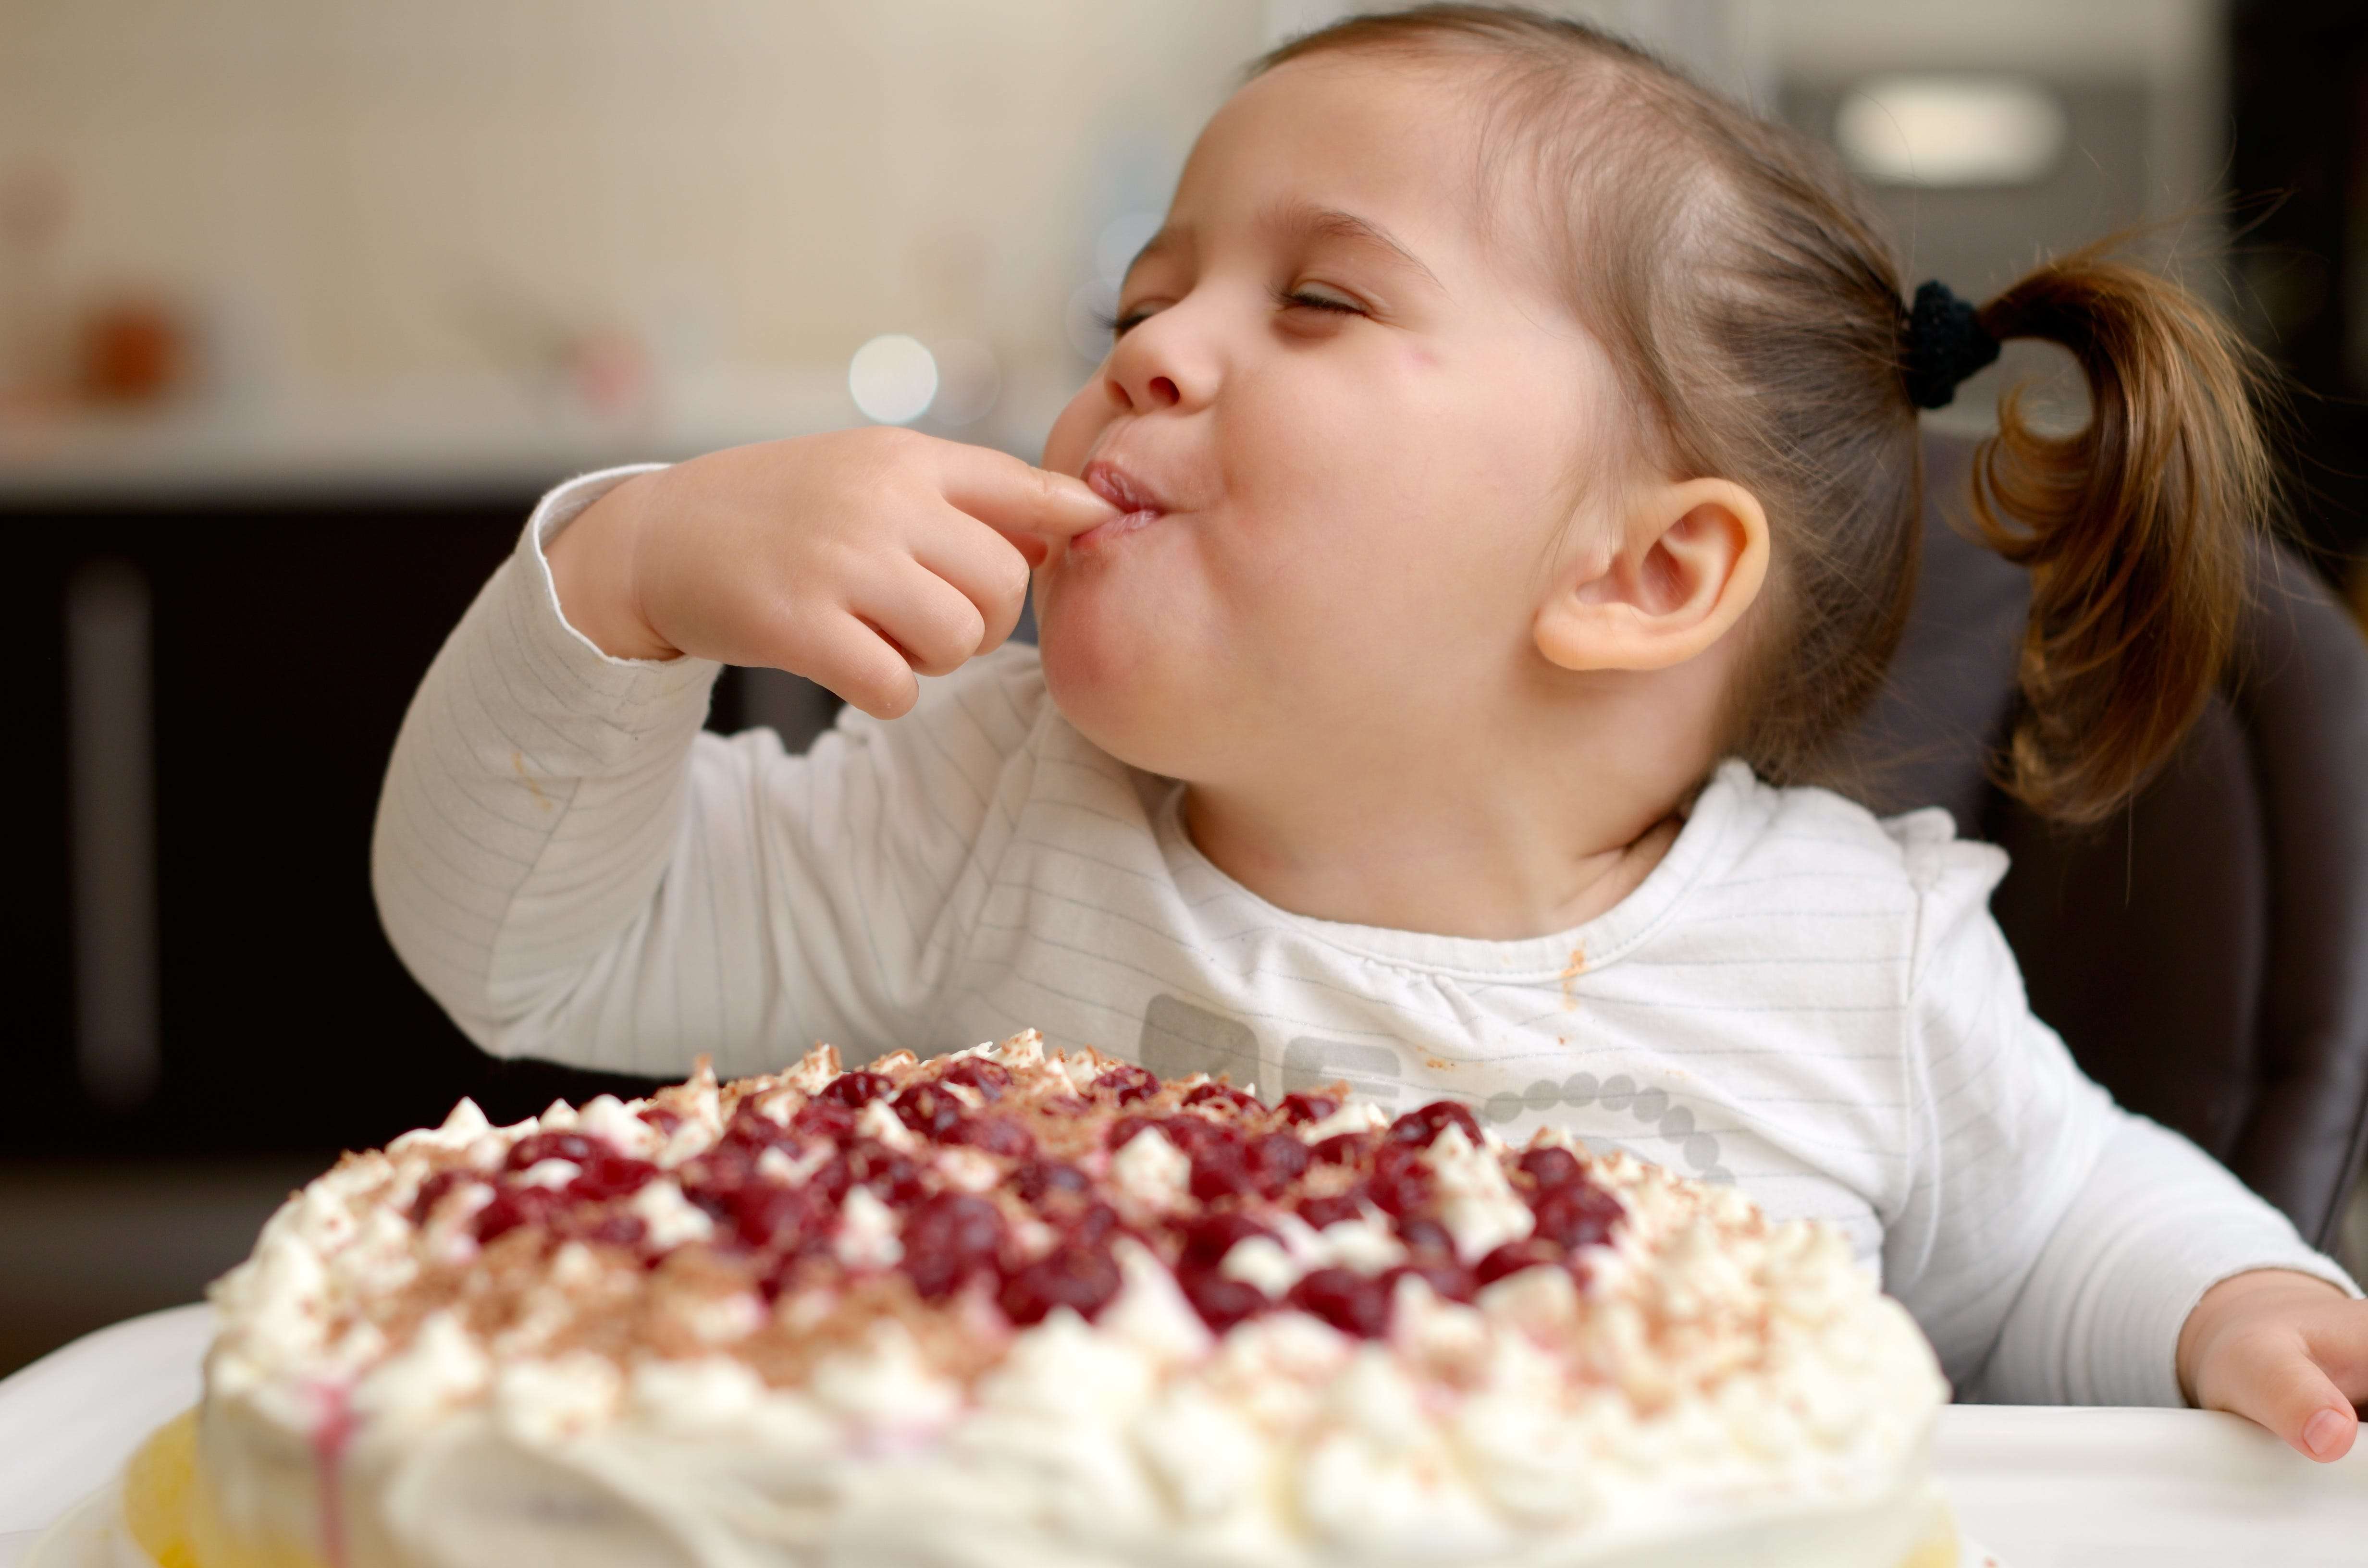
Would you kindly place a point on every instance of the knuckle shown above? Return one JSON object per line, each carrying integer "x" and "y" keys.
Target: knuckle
{"x": 1011, "y": 574}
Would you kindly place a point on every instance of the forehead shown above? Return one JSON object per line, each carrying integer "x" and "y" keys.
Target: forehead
{"x": 1395, "y": 143}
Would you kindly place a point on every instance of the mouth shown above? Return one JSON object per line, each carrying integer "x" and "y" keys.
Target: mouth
{"x": 1138, "y": 505}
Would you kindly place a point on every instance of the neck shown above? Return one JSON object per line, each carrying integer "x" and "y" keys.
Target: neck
{"x": 1492, "y": 848}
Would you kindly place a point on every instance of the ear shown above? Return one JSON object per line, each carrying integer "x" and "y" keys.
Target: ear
{"x": 1690, "y": 560}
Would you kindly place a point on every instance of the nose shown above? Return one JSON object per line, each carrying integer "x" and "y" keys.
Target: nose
{"x": 1161, "y": 364}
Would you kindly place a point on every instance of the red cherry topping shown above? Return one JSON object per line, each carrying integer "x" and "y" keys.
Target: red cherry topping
{"x": 752, "y": 1129}
{"x": 606, "y": 1177}
{"x": 1422, "y": 1126}
{"x": 893, "y": 1179}
{"x": 1124, "y": 1130}
{"x": 1095, "y": 1226}
{"x": 949, "y": 1239}
{"x": 989, "y": 1078}
{"x": 1224, "y": 1095}
{"x": 1451, "y": 1280}
{"x": 1045, "y": 1179}
{"x": 1342, "y": 1147}
{"x": 432, "y": 1191}
{"x": 831, "y": 1182}
{"x": 1127, "y": 1084}
{"x": 928, "y": 1110}
{"x": 1530, "y": 1252}
{"x": 1577, "y": 1215}
{"x": 825, "y": 1119}
{"x": 1221, "y": 1302}
{"x": 996, "y": 1134}
{"x": 1400, "y": 1184}
{"x": 1221, "y": 1170}
{"x": 855, "y": 1090}
{"x": 1322, "y": 1211}
{"x": 1245, "y": 1167}
{"x": 1076, "y": 1275}
{"x": 1208, "y": 1239}
{"x": 769, "y": 1216}
{"x": 1277, "y": 1160}
{"x": 1300, "y": 1109}
{"x": 1426, "y": 1238}
{"x": 1197, "y": 1134}
{"x": 1551, "y": 1167}
{"x": 1352, "y": 1302}
{"x": 516, "y": 1206}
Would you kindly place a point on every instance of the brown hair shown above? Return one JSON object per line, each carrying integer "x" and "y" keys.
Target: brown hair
{"x": 1742, "y": 284}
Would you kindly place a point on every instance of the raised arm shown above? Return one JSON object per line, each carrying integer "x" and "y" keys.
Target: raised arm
{"x": 574, "y": 871}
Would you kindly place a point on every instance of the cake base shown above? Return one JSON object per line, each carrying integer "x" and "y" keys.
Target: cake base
{"x": 163, "y": 1512}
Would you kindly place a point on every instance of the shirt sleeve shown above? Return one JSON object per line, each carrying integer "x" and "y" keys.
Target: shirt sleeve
{"x": 574, "y": 869}
{"x": 2050, "y": 1243}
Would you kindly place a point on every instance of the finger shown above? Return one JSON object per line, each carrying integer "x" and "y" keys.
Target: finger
{"x": 1014, "y": 497}
{"x": 2338, "y": 1341}
{"x": 983, "y": 565}
{"x": 928, "y": 618}
{"x": 2287, "y": 1392}
{"x": 852, "y": 659}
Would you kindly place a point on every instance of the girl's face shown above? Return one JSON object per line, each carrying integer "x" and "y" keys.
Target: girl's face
{"x": 1351, "y": 434}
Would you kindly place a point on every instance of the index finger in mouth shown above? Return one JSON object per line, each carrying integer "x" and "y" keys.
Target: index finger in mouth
{"x": 1018, "y": 499}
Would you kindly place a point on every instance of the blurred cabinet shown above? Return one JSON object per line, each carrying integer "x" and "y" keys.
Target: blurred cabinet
{"x": 280, "y": 643}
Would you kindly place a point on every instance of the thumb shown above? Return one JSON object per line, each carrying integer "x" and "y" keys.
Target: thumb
{"x": 2289, "y": 1393}
{"x": 1014, "y": 497}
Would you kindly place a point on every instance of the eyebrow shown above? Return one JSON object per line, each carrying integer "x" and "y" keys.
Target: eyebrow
{"x": 1311, "y": 221}
{"x": 1305, "y": 219}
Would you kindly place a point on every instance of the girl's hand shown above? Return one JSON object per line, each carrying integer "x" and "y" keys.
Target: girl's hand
{"x": 854, "y": 558}
{"x": 2284, "y": 1349}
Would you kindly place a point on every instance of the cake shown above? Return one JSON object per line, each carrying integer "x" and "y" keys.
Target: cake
{"x": 1013, "y": 1307}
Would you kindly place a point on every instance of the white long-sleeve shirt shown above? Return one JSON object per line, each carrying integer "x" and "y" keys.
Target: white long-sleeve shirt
{"x": 1799, "y": 998}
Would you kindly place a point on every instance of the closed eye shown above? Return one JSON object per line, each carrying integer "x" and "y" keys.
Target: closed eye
{"x": 1302, "y": 299}
{"x": 1123, "y": 323}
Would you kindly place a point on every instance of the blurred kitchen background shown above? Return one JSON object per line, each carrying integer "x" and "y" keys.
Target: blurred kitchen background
{"x": 304, "y": 302}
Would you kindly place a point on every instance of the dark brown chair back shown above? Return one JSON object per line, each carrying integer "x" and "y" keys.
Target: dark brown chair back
{"x": 2204, "y": 953}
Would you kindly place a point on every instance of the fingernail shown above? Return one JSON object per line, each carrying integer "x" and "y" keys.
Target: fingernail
{"x": 2322, "y": 1434}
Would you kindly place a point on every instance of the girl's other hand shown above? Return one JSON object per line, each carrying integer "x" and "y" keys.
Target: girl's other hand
{"x": 2284, "y": 1349}
{"x": 856, "y": 558}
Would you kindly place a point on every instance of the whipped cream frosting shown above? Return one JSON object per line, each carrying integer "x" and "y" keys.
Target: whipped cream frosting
{"x": 484, "y": 1346}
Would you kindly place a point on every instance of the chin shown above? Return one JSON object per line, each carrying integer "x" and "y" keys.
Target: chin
{"x": 1119, "y": 669}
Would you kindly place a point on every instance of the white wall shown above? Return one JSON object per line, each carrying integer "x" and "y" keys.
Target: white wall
{"x": 376, "y": 189}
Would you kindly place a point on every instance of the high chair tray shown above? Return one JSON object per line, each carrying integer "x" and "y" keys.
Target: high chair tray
{"x": 2041, "y": 1488}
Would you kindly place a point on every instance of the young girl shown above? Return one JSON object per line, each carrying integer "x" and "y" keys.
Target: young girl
{"x": 1502, "y": 485}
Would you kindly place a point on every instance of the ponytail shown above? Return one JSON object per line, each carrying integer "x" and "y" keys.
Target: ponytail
{"x": 2135, "y": 529}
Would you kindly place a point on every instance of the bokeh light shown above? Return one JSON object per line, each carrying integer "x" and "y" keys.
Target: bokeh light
{"x": 894, "y": 379}
{"x": 1952, "y": 131}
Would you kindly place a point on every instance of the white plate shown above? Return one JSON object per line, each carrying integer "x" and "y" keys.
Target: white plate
{"x": 2047, "y": 1488}
{"x": 69, "y": 1421}
{"x": 92, "y": 1536}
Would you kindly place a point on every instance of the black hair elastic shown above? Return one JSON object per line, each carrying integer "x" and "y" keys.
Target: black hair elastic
{"x": 1945, "y": 343}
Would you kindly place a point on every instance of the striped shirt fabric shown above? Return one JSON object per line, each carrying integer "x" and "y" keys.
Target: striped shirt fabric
{"x": 1800, "y": 998}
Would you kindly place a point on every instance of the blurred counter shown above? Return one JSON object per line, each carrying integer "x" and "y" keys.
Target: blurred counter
{"x": 475, "y": 434}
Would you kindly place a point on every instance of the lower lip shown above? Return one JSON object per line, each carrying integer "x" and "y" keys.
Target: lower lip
{"x": 1103, "y": 533}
